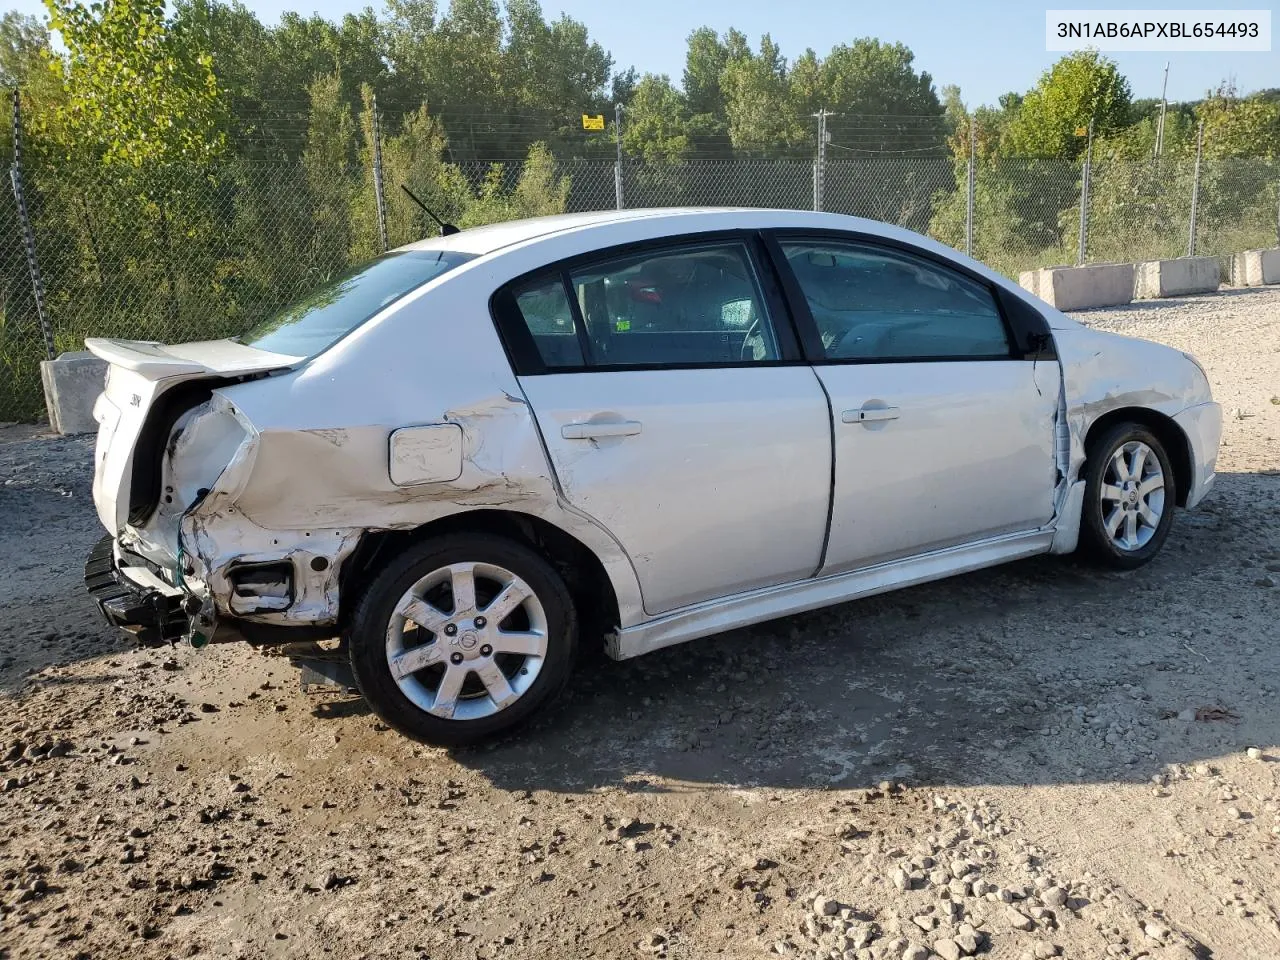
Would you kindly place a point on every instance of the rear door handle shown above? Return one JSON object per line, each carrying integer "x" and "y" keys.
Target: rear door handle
{"x": 869, "y": 414}
{"x": 592, "y": 431}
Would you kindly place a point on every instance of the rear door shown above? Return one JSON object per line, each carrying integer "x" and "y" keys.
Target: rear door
{"x": 943, "y": 424}
{"x": 676, "y": 411}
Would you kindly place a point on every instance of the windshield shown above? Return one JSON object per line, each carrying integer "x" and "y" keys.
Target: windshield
{"x": 333, "y": 310}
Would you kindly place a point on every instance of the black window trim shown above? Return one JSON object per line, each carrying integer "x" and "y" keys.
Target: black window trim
{"x": 1027, "y": 331}
{"x": 522, "y": 351}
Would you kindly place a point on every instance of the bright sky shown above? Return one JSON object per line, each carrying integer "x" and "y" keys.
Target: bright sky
{"x": 986, "y": 46}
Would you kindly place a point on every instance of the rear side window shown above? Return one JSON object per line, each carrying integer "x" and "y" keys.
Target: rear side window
{"x": 544, "y": 307}
{"x": 695, "y": 306}
{"x": 873, "y": 303}
{"x": 335, "y": 308}
{"x": 687, "y": 306}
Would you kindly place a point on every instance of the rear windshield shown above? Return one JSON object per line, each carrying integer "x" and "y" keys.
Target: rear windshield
{"x": 335, "y": 308}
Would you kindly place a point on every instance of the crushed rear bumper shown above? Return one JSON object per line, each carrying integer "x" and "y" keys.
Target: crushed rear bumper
{"x": 135, "y": 599}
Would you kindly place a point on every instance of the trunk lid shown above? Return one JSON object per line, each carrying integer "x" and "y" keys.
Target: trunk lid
{"x": 149, "y": 386}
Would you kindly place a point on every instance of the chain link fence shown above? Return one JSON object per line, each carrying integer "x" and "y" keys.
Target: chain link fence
{"x": 21, "y": 344}
{"x": 206, "y": 257}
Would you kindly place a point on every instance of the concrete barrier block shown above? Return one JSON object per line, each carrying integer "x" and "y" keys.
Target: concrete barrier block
{"x": 71, "y": 387}
{"x": 1080, "y": 288}
{"x": 1175, "y": 278}
{"x": 1254, "y": 268}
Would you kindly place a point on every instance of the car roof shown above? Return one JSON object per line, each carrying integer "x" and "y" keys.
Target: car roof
{"x": 674, "y": 221}
{"x": 493, "y": 237}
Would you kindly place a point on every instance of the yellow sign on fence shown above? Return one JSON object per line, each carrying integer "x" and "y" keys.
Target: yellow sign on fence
{"x": 1082, "y": 131}
{"x": 593, "y": 123}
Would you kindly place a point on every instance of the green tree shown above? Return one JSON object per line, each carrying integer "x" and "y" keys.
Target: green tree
{"x": 874, "y": 78}
{"x": 622, "y": 86}
{"x": 24, "y": 48}
{"x": 705, "y": 60}
{"x": 1236, "y": 126}
{"x": 1081, "y": 87}
{"x": 655, "y": 126}
{"x": 415, "y": 158}
{"x": 539, "y": 192}
{"x": 882, "y": 104}
{"x": 327, "y": 162}
{"x": 758, "y": 107}
{"x": 553, "y": 73}
{"x": 704, "y": 64}
{"x": 140, "y": 89}
{"x": 807, "y": 91}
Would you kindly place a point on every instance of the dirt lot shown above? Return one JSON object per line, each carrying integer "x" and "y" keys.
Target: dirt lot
{"x": 1033, "y": 761}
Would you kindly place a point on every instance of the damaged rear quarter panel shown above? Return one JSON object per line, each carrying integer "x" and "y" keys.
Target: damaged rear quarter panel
{"x": 321, "y": 472}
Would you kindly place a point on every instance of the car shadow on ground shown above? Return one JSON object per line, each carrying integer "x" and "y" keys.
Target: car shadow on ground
{"x": 1043, "y": 671}
{"x": 1047, "y": 670}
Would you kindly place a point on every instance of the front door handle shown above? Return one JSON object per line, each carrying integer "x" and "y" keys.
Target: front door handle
{"x": 593, "y": 430}
{"x": 869, "y": 414}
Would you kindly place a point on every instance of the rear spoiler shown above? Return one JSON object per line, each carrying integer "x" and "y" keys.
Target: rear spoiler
{"x": 155, "y": 361}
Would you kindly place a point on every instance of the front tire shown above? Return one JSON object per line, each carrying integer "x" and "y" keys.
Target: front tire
{"x": 1129, "y": 497}
{"x": 463, "y": 637}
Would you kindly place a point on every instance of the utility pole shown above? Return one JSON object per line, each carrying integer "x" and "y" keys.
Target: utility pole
{"x": 1164, "y": 106}
{"x": 820, "y": 162}
{"x": 1195, "y": 192}
{"x": 617, "y": 164}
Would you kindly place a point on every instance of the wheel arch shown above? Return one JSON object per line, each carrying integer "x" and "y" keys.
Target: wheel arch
{"x": 584, "y": 574}
{"x": 1176, "y": 443}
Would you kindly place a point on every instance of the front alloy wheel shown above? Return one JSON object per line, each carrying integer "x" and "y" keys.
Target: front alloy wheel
{"x": 1132, "y": 495}
{"x": 1129, "y": 497}
{"x": 463, "y": 637}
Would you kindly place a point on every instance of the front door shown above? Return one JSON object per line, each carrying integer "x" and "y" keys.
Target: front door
{"x": 942, "y": 436}
{"x": 675, "y": 415}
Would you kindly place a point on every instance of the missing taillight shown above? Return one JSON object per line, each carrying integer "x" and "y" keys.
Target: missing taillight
{"x": 261, "y": 587}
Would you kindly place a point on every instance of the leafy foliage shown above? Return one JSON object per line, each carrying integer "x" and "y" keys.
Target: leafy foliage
{"x": 140, "y": 89}
{"x": 1080, "y": 89}
{"x": 192, "y": 171}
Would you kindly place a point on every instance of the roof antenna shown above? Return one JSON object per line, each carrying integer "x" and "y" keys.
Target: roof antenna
{"x": 445, "y": 228}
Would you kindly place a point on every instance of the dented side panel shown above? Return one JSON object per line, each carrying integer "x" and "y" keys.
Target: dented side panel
{"x": 318, "y": 465}
{"x": 329, "y": 464}
{"x": 427, "y": 454}
{"x": 1103, "y": 372}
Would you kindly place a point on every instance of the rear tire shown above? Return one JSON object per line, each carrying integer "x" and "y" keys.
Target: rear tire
{"x": 1129, "y": 498}
{"x": 463, "y": 637}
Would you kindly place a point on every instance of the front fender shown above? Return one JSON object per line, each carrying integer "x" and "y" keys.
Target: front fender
{"x": 1104, "y": 372}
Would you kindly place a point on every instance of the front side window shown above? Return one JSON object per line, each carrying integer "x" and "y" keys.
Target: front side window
{"x": 331, "y": 311}
{"x": 695, "y": 306}
{"x": 872, "y": 303}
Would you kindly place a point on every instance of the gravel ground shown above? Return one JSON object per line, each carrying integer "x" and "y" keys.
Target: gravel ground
{"x": 1039, "y": 760}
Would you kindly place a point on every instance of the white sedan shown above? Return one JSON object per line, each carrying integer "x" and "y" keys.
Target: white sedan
{"x": 480, "y": 451}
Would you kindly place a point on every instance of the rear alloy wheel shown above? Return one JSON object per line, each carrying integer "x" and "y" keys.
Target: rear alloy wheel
{"x": 1129, "y": 497}
{"x": 463, "y": 637}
